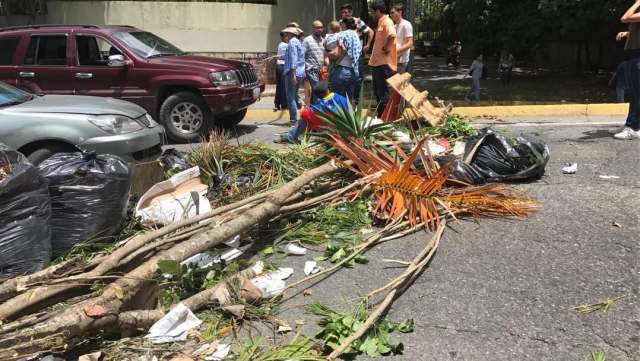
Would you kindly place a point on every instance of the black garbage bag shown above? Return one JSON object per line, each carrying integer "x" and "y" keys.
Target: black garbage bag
{"x": 172, "y": 160}
{"x": 89, "y": 196}
{"x": 461, "y": 171}
{"x": 500, "y": 159}
{"x": 25, "y": 212}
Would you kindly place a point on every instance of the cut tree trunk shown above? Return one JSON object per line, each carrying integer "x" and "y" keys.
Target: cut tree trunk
{"x": 73, "y": 321}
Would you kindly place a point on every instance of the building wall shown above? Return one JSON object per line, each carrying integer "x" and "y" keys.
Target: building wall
{"x": 204, "y": 27}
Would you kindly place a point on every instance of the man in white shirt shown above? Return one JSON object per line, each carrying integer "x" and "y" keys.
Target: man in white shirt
{"x": 404, "y": 37}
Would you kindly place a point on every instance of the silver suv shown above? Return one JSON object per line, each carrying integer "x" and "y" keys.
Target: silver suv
{"x": 40, "y": 126}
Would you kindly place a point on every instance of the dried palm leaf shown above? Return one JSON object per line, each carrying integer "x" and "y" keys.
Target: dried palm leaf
{"x": 401, "y": 191}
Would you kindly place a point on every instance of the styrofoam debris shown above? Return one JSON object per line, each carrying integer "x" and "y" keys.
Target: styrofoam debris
{"x": 311, "y": 267}
{"x": 458, "y": 149}
{"x": 270, "y": 287}
{"x": 570, "y": 169}
{"x": 204, "y": 260}
{"x": 435, "y": 148}
{"x": 284, "y": 329}
{"x": 401, "y": 137}
{"x": 221, "y": 353}
{"x": 366, "y": 231}
{"x": 609, "y": 177}
{"x": 369, "y": 121}
{"x": 174, "y": 326}
{"x": 234, "y": 242}
{"x": 282, "y": 273}
{"x": 295, "y": 250}
{"x": 258, "y": 268}
{"x": 272, "y": 284}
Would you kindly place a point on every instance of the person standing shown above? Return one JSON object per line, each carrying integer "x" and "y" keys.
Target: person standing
{"x": 314, "y": 60}
{"x": 475, "y": 71}
{"x": 618, "y": 80}
{"x": 505, "y": 67}
{"x": 345, "y": 74}
{"x": 294, "y": 76}
{"x": 384, "y": 57}
{"x": 404, "y": 37}
{"x": 366, "y": 38}
{"x": 631, "y": 129}
{"x": 280, "y": 101}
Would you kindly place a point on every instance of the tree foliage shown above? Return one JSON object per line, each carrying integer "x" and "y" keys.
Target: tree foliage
{"x": 524, "y": 26}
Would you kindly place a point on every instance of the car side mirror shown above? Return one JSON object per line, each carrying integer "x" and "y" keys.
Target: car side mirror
{"x": 117, "y": 61}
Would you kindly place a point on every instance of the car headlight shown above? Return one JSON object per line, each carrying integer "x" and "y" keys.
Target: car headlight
{"x": 224, "y": 78}
{"x": 115, "y": 124}
{"x": 152, "y": 123}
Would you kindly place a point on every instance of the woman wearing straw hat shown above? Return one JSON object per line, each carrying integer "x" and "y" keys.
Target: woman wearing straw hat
{"x": 294, "y": 76}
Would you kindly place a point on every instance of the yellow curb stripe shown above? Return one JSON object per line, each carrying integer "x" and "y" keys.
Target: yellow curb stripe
{"x": 545, "y": 110}
{"x": 269, "y": 116}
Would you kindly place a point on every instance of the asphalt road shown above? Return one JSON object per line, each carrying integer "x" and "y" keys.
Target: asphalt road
{"x": 504, "y": 290}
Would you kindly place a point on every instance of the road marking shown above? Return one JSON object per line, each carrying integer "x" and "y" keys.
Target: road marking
{"x": 542, "y": 124}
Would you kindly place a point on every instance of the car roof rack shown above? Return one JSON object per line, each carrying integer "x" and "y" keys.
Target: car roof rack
{"x": 41, "y": 26}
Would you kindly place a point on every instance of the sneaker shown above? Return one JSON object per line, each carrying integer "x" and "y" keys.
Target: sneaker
{"x": 617, "y": 130}
{"x": 628, "y": 134}
{"x": 283, "y": 139}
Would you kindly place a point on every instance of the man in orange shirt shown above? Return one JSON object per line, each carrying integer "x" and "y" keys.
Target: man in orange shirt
{"x": 384, "y": 57}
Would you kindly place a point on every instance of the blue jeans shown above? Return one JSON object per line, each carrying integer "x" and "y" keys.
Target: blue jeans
{"x": 380, "y": 75}
{"x": 313, "y": 76}
{"x": 343, "y": 80}
{"x": 292, "y": 95}
{"x": 475, "y": 89}
{"x": 632, "y": 82}
{"x": 280, "y": 100}
{"x": 295, "y": 131}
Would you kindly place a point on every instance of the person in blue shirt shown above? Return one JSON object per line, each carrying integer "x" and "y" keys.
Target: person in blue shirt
{"x": 293, "y": 70}
{"x": 327, "y": 103}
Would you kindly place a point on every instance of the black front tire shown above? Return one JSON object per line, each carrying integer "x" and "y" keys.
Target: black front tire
{"x": 186, "y": 117}
{"x": 231, "y": 120}
{"x": 41, "y": 154}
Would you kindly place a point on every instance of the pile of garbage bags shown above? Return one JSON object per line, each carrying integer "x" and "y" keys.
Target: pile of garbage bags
{"x": 70, "y": 198}
{"x": 25, "y": 211}
{"x": 89, "y": 197}
{"x": 492, "y": 157}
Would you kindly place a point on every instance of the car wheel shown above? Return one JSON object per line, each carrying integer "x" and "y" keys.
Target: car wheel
{"x": 231, "y": 120}
{"x": 41, "y": 154}
{"x": 186, "y": 117}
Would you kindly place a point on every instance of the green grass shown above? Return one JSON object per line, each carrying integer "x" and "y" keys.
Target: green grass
{"x": 532, "y": 86}
{"x": 543, "y": 89}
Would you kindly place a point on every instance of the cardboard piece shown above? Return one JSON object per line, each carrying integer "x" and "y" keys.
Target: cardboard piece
{"x": 180, "y": 197}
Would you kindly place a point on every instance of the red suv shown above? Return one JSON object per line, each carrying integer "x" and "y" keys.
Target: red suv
{"x": 188, "y": 94}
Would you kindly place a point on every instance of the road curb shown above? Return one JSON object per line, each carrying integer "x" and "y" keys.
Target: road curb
{"x": 544, "y": 110}
{"x": 269, "y": 116}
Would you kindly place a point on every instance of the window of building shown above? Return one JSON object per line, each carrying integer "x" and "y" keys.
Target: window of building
{"x": 8, "y": 47}
{"x": 47, "y": 50}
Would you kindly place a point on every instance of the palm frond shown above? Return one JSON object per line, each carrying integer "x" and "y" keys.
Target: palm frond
{"x": 401, "y": 191}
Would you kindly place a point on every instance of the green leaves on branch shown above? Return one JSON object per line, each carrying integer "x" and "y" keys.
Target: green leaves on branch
{"x": 341, "y": 223}
{"x": 335, "y": 253}
{"x": 336, "y": 327}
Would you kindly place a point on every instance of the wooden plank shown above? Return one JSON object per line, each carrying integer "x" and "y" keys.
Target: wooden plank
{"x": 419, "y": 101}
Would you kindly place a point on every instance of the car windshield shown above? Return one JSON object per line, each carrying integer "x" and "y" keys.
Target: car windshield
{"x": 147, "y": 45}
{"x": 11, "y": 95}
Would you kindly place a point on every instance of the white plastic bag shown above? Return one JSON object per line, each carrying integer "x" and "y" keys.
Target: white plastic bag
{"x": 174, "y": 326}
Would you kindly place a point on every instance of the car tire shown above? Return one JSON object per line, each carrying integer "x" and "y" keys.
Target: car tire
{"x": 231, "y": 120}
{"x": 186, "y": 117}
{"x": 41, "y": 154}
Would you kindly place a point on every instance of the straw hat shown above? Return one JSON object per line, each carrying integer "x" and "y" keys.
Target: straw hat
{"x": 291, "y": 30}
